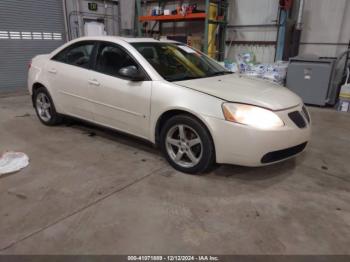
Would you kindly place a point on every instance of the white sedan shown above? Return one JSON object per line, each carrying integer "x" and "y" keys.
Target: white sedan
{"x": 172, "y": 95}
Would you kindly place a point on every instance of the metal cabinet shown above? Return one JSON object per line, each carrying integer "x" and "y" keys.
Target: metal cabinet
{"x": 310, "y": 78}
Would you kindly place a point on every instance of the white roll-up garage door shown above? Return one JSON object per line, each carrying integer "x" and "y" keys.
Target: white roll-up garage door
{"x": 27, "y": 28}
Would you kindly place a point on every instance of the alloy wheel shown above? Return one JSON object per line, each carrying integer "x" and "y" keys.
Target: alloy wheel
{"x": 184, "y": 145}
{"x": 43, "y": 106}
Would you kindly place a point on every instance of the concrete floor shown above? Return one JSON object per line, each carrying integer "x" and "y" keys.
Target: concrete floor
{"x": 93, "y": 191}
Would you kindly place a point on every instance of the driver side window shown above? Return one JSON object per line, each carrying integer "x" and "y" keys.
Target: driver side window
{"x": 111, "y": 59}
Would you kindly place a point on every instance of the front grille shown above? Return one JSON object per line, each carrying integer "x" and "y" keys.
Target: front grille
{"x": 282, "y": 154}
{"x": 306, "y": 114}
{"x": 297, "y": 118}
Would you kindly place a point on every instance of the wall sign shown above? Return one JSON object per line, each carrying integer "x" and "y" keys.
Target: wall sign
{"x": 92, "y": 6}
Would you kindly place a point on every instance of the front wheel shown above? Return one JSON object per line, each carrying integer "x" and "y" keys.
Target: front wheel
{"x": 187, "y": 144}
{"x": 45, "y": 108}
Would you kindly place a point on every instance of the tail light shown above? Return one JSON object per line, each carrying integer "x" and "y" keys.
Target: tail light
{"x": 30, "y": 64}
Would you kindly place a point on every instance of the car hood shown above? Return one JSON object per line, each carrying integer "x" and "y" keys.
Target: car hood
{"x": 242, "y": 89}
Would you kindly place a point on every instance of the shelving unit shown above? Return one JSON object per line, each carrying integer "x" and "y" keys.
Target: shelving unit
{"x": 220, "y": 20}
{"x": 173, "y": 18}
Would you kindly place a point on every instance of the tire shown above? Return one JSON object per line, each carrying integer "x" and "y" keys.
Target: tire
{"x": 187, "y": 144}
{"x": 45, "y": 108}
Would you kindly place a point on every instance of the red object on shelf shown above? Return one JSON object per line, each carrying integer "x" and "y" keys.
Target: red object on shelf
{"x": 193, "y": 16}
{"x": 286, "y": 4}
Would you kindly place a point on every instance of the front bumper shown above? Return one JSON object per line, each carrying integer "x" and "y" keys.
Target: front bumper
{"x": 247, "y": 146}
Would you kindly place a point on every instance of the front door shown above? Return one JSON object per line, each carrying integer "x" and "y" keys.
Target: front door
{"x": 120, "y": 103}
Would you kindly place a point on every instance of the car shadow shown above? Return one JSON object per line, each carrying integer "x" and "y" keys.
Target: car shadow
{"x": 95, "y": 131}
{"x": 218, "y": 171}
{"x": 281, "y": 170}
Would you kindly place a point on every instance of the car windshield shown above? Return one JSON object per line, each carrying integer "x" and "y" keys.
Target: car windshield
{"x": 179, "y": 62}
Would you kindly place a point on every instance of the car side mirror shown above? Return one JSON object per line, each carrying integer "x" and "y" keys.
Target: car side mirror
{"x": 131, "y": 73}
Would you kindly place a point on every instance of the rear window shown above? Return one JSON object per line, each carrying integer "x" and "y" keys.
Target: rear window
{"x": 78, "y": 54}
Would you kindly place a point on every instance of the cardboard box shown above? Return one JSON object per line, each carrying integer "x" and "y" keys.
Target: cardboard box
{"x": 195, "y": 41}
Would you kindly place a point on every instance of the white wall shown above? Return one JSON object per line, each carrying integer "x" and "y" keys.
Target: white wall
{"x": 325, "y": 21}
{"x": 253, "y": 12}
{"x": 107, "y": 11}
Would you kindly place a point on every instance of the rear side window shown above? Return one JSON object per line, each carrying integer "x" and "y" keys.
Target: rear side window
{"x": 78, "y": 54}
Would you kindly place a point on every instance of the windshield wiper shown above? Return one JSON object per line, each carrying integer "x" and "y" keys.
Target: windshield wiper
{"x": 196, "y": 77}
{"x": 219, "y": 73}
{"x": 184, "y": 78}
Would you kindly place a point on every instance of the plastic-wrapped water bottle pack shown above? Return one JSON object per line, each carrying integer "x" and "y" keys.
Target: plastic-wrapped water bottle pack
{"x": 246, "y": 64}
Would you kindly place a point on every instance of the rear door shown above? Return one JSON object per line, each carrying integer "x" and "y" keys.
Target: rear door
{"x": 69, "y": 73}
{"x": 120, "y": 103}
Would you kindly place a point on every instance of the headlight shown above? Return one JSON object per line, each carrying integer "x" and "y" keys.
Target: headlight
{"x": 251, "y": 115}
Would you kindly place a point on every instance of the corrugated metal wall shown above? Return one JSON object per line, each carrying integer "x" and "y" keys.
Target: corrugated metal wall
{"x": 252, "y": 12}
{"x": 326, "y": 27}
{"x": 326, "y": 30}
{"x": 27, "y": 28}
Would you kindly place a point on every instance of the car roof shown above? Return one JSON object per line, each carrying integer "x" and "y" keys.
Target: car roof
{"x": 114, "y": 38}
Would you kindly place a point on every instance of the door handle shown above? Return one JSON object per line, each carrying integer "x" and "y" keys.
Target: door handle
{"x": 53, "y": 71}
{"x": 94, "y": 82}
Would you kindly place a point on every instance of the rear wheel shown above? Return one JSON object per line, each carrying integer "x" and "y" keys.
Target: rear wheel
{"x": 187, "y": 144}
{"x": 45, "y": 108}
